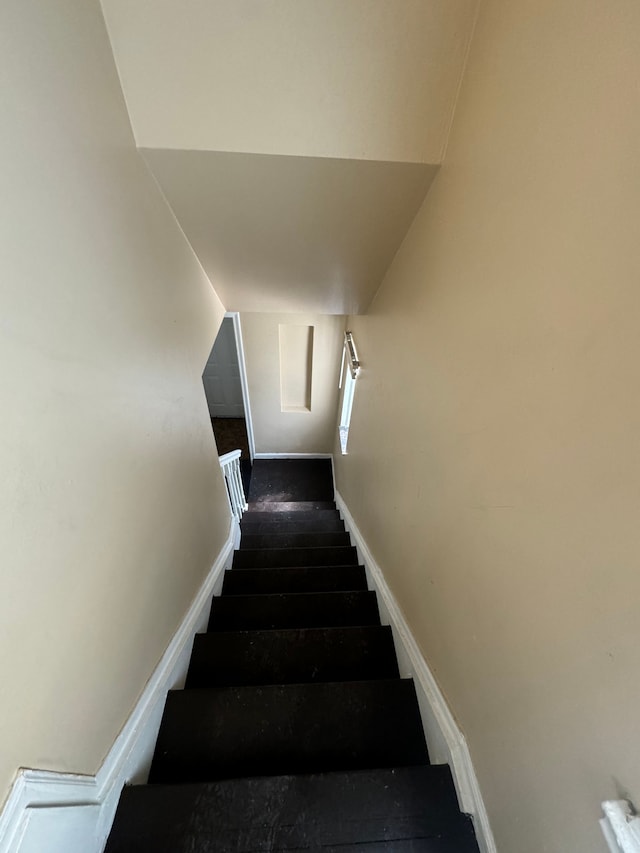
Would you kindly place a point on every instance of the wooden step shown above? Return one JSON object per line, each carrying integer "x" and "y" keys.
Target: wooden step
{"x": 323, "y": 521}
{"x": 275, "y": 507}
{"x": 265, "y": 814}
{"x": 228, "y": 732}
{"x": 294, "y": 516}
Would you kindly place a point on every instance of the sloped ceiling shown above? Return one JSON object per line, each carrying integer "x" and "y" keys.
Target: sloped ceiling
{"x": 313, "y": 80}
{"x": 292, "y": 233}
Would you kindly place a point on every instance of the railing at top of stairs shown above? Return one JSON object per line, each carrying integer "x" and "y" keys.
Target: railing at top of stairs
{"x": 230, "y": 464}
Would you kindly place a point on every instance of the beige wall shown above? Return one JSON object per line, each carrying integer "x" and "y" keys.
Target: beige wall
{"x": 494, "y": 462}
{"x": 303, "y": 77}
{"x": 111, "y": 505}
{"x": 292, "y": 432}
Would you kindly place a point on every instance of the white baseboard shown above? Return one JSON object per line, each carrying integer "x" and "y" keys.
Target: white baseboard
{"x": 293, "y": 456}
{"x": 447, "y": 744}
{"x": 67, "y": 813}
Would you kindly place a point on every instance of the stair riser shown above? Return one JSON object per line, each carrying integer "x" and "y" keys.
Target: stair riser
{"x": 307, "y": 810}
{"x": 293, "y": 812}
{"x": 283, "y": 557}
{"x": 292, "y": 657}
{"x": 292, "y": 517}
{"x": 265, "y": 581}
{"x": 316, "y": 610}
{"x": 264, "y": 541}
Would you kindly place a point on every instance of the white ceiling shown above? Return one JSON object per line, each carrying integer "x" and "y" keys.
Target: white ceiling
{"x": 361, "y": 79}
{"x": 294, "y": 139}
{"x": 291, "y": 233}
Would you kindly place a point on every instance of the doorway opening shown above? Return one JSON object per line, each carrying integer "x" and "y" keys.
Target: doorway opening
{"x": 225, "y": 387}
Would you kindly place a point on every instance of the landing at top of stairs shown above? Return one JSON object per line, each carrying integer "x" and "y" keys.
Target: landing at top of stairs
{"x": 286, "y": 480}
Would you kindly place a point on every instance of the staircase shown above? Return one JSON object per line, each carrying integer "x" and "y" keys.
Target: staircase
{"x": 294, "y": 731}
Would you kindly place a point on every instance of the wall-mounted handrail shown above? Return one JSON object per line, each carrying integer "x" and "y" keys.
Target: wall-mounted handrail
{"x": 621, "y": 826}
{"x": 230, "y": 464}
{"x": 349, "y": 345}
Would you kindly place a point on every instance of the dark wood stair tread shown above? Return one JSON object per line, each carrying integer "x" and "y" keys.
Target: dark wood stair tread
{"x": 291, "y": 480}
{"x": 218, "y": 733}
{"x": 289, "y": 506}
{"x": 265, "y": 516}
{"x": 288, "y": 812}
{"x": 316, "y": 523}
{"x": 292, "y": 656}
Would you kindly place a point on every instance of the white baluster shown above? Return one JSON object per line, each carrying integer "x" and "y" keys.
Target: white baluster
{"x": 230, "y": 464}
{"x": 237, "y": 488}
{"x": 243, "y": 500}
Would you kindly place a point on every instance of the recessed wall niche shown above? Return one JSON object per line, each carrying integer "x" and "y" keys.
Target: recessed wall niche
{"x": 296, "y": 366}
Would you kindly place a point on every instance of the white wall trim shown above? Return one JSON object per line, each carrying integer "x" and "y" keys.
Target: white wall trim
{"x": 294, "y": 455}
{"x": 445, "y": 740}
{"x": 244, "y": 382}
{"x": 71, "y": 813}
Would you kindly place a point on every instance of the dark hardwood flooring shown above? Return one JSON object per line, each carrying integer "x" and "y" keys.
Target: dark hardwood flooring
{"x": 231, "y": 434}
{"x": 291, "y": 480}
